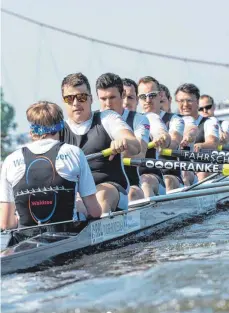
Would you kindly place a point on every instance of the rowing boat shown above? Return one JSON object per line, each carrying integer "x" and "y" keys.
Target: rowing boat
{"x": 46, "y": 242}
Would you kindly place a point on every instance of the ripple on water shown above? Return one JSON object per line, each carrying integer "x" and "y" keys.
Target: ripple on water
{"x": 186, "y": 271}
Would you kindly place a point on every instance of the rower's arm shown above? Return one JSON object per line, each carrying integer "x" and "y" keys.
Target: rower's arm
{"x": 144, "y": 147}
{"x": 211, "y": 131}
{"x": 176, "y": 131}
{"x": 176, "y": 139}
{"x": 8, "y": 218}
{"x": 211, "y": 142}
{"x": 163, "y": 141}
{"x": 133, "y": 145}
{"x": 92, "y": 206}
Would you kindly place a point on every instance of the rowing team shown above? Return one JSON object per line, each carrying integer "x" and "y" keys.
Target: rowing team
{"x": 50, "y": 179}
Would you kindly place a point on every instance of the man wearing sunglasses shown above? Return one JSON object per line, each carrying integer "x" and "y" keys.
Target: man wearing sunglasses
{"x": 149, "y": 93}
{"x": 111, "y": 94}
{"x": 187, "y": 97}
{"x": 94, "y": 132}
{"x": 207, "y": 109}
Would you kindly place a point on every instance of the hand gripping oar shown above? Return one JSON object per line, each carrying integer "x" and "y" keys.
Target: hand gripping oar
{"x": 151, "y": 145}
{"x": 182, "y": 165}
{"x": 197, "y": 156}
{"x": 107, "y": 152}
{"x": 104, "y": 153}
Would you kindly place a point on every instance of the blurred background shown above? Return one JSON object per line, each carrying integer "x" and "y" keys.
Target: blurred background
{"x": 42, "y": 41}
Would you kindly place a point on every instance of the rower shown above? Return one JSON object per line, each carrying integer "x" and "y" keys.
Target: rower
{"x": 94, "y": 132}
{"x": 41, "y": 179}
{"x": 175, "y": 125}
{"x": 187, "y": 97}
{"x": 109, "y": 88}
{"x": 207, "y": 109}
{"x": 166, "y": 99}
{"x": 189, "y": 135}
{"x": 130, "y": 98}
{"x": 149, "y": 98}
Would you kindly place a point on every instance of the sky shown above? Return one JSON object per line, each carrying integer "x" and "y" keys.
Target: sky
{"x": 34, "y": 60}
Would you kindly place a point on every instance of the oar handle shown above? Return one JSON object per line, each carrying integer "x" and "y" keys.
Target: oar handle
{"x": 167, "y": 152}
{"x": 223, "y": 148}
{"x": 107, "y": 152}
{"x": 151, "y": 145}
{"x": 104, "y": 153}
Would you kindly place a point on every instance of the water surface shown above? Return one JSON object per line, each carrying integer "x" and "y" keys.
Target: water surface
{"x": 185, "y": 271}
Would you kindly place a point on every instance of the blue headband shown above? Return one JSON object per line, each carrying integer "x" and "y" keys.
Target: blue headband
{"x": 41, "y": 130}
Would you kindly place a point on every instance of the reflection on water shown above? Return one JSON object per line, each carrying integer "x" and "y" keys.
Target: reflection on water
{"x": 186, "y": 271}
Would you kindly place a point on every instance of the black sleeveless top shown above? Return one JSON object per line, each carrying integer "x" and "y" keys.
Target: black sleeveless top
{"x": 201, "y": 136}
{"x": 151, "y": 153}
{"x": 132, "y": 171}
{"x": 42, "y": 195}
{"x": 166, "y": 119}
{"x": 96, "y": 140}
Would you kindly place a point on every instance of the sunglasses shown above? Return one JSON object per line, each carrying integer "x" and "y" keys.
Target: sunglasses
{"x": 208, "y": 107}
{"x": 151, "y": 95}
{"x": 80, "y": 97}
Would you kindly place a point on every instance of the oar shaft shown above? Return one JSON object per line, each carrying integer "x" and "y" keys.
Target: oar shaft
{"x": 223, "y": 148}
{"x": 197, "y": 156}
{"x": 104, "y": 153}
{"x": 216, "y": 152}
{"x": 182, "y": 165}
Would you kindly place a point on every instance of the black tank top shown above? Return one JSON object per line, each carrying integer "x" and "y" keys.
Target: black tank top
{"x": 96, "y": 140}
{"x": 151, "y": 153}
{"x": 132, "y": 171}
{"x": 42, "y": 195}
{"x": 166, "y": 119}
{"x": 201, "y": 135}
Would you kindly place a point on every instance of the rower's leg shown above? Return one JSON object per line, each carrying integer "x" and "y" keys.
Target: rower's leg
{"x": 150, "y": 185}
{"x": 171, "y": 182}
{"x": 189, "y": 178}
{"x": 135, "y": 193}
{"x": 107, "y": 196}
{"x": 202, "y": 175}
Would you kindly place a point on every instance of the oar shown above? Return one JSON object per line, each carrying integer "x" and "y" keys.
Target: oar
{"x": 197, "y": 156}
{"x": 223, "y": 151}
{"x": 200, "y": 182}
{"x": 223, "y": 148}
{"x": 182, "y": 165}
{"x": 151, "y": 145}
{"x": 104, "y": 153}
{"x": 107, "y": 152}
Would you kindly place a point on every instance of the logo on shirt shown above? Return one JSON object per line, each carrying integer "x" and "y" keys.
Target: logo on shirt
{"x": 146, "y": 126}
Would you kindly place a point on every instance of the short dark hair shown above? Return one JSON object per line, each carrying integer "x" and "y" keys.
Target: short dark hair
{"x": 209, "y": 98}
{"x": 109, "y": 80}
{"x": 149, "y": 79}
{"x": 74, "y": 80}
{"x": 166, "y": 91}
{"x": 128, "y": 82}
{"x": 189, "y": 88}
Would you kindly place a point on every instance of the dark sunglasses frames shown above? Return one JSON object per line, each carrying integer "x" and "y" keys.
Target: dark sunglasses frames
{"x": 80, "y": 97}
{"x": 207, "y": 107}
